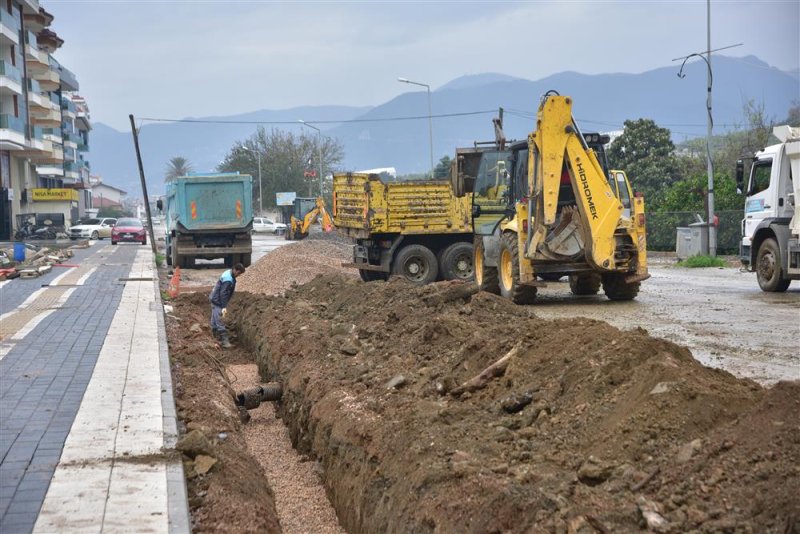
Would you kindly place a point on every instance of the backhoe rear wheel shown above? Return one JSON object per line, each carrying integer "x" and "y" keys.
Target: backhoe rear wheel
{"x": 456, "y": 262}
{"x": 510, "y": 286}
{"x": 486, "y": 277}
{"x": 616, "y": 288}
{"x": 584, "y": 284}
{"x": 417, "y": 264}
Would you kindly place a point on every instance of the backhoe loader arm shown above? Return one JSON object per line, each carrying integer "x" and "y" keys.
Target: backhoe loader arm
{"x": 557, "y": 143}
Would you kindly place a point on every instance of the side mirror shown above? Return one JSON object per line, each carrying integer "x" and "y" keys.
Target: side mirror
{"x": 739, "y": 176}
{"x": 160, "y": 205}
{"x": 476, "y": 211}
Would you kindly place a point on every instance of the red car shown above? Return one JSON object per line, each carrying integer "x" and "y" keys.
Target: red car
{"x": 131, "y": 230}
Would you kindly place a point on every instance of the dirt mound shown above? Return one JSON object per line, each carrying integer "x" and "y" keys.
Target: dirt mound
{"x": 297, "y": 263}
{"x": 582, "y": 426}
{"x": 232, "y": 495}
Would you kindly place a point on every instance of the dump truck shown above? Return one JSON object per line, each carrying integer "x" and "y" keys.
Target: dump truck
{"x": 770, "y": 243}
{"x": 208, "y": 216}
{"x": 552, "y": 209}
{"x": 416, "y": 229}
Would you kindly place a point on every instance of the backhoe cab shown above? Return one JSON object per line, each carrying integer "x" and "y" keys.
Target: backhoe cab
{"x": 549, "y": 207}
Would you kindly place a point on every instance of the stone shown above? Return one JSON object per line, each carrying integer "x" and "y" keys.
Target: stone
{"x": 651, "y": 513}
{"x": 397, "y": 382}
{"x": 203, "y": 464}
{"x": 516, "y": 402}
{"x": 193, "y": 444}
{"x": 196, "y": 328}
{"x": 593, "y": 471}
{"x": 350, "y": 348}
{"x": 662, "y": 387}
{"x": 688, "y": 450}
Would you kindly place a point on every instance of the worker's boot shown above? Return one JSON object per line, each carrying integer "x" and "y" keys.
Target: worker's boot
{"x": 225, "y": 342}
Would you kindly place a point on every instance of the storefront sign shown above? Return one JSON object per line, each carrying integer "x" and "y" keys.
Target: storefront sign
{"x": 54, "y": 195}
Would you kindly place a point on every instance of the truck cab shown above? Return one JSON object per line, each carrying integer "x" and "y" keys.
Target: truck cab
{"x": 769, "y": 243}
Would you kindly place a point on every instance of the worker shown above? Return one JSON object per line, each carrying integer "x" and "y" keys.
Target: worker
{"x": 220, "y": 296}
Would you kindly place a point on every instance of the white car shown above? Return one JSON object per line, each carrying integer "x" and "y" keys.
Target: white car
{"x": 262, "y": 224}
{"x": 93, "y": 228}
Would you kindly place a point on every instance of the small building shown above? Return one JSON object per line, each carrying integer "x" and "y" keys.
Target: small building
{"x": 106, "y": 195}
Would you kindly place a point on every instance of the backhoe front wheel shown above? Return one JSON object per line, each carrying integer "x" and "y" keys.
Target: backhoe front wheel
{"x": 486, "y": 277}
{"x": 584, "y": 284}
{"x": 417, "y": 264}
{"x": 508, "y": 266}
{"x": 769, "y": 268}
{"x": 616, "y": 288}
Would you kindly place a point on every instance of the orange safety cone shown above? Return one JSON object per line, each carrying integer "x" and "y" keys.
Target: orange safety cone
{"x": 175, "y": 283}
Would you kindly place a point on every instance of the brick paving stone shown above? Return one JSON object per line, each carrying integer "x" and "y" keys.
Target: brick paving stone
{"x": 44, "y": 377}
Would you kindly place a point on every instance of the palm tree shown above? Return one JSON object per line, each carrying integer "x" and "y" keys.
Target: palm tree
{"x": 177, "y": 166}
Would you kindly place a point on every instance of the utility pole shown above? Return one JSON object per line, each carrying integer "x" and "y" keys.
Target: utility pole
{"x": 319, "y": 150}
{"x": 430, "y": 116}
{"x": 710, "y": 217}
{"x": 144, "y": 184}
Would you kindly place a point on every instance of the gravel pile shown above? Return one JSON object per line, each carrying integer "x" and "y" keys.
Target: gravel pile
{"x": 296, "y": 264}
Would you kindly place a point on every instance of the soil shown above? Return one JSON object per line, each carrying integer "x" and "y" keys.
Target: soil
{"x": 588, "y": 428}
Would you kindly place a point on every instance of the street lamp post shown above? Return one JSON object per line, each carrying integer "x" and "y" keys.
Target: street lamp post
{"x": 260, "y": 183}
{"x": 430, "y": 117}
{"x": 319, "y": 149}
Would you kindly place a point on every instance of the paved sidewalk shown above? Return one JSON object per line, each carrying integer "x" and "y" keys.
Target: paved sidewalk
{"x": 87, "y": 418}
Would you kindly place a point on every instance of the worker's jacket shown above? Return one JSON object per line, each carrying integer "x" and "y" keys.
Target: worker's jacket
{"x": 223, "y": 290}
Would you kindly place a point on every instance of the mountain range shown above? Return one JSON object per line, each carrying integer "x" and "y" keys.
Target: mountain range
{"x": 396, "y": 133}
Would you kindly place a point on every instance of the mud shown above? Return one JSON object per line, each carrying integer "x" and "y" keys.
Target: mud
{"x": 589, "y": 428}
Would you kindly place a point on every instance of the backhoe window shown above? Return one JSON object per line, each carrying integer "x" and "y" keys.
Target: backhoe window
{"x": 623, "y": 193}
{"x": 493, "y": 190}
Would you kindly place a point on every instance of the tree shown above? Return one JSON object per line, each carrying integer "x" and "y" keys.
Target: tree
{"x": 647, "y": 155}
{"x": 442, "y": 169}
{"x": 177, "y": 166}
{"x": 289, "y": 163}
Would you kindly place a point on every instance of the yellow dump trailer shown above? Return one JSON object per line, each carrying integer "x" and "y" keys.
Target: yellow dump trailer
{"x": 416, "y": 229}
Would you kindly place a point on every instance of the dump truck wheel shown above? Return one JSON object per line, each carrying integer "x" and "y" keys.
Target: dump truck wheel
{"x": 187, "y": 262}
{"x": 486, "y": 277}
{"x": 372, "y": 276}
{"x": 616, "y": 288}
{"x": 769, "y": 268}
{"x": 228, "y": 260}
{"x": 584, "y": 284}
{"x": 456, "y": 262}
{"x": 416, "y": 263}
{"x": 169, "y": 255}
{"x": 175, "y": 258}
{"x": 508, "y": 268}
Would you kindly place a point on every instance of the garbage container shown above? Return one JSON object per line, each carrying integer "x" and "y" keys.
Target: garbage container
{"x": 691, "y": 240}
{"x": 19, "y": 252}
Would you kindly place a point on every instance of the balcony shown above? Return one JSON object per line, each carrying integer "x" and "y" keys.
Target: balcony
{"x": 70, "y": 141}
{"x": 10, "y": 79}
{"x": 83, "y": 146}
{"x": 68, "y": 80}
{"x": 38, "y": 63}
{"x": 48, "y": 80}
{"x": 37, "y": 103}
{"x": 12, "y": 133}
{"x": 9, "y": 26}
{"x": 47, "y": 119}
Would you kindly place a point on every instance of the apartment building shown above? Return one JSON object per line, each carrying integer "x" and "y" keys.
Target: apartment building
{"x": 44, "y": 122}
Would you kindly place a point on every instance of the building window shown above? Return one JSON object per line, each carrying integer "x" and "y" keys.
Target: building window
{"x": 16, "y": 106}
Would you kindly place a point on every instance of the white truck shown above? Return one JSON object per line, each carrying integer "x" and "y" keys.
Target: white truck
{"x": 770, "y": 243}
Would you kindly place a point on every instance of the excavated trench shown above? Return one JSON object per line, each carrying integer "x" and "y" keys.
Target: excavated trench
{"x": 437, "y": 409}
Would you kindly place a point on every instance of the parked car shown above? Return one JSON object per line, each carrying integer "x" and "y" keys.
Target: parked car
{"x": 98, "y": 228}
{"x": 262, "y": 224}
{"x": 129, "y": 230}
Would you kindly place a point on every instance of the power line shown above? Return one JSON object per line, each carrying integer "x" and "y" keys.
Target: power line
{"x": 295, "y": 123}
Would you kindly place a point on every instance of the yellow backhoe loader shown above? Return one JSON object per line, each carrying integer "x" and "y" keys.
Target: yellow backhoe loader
{"x": 554, "y": 209}
{"x": 305, "y": 212}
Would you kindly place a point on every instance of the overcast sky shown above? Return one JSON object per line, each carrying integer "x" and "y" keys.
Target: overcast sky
{"x": 182, "y": 58}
